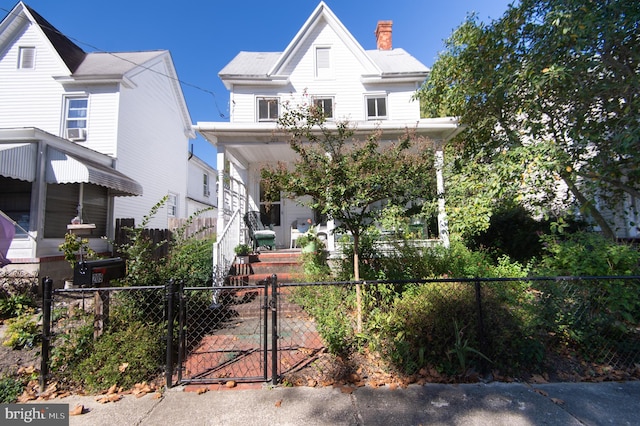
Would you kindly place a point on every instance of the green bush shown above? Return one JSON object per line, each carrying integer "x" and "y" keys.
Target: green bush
{"x": 191, "y": 260}
{"x": 122, "y": 357}
{"x": 333, "y": 310}
{"x": 587, "y": 254}
{"x": 22, "y": 331}
{"x": 10, "y": 389}
{"x": 420, "y": 330}
{"x": 16, "y": 305}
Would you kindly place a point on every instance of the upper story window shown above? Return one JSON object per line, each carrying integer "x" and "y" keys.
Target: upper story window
{"x": 376, "y": 107}
{"x": 26, "y": 58}
{"x": 205, "y": 185}
{"x": 326, "y": 104}
{"x": 323, "y": 62}
{"x": 267, "y": 109}
{"x": 75, "y": 123}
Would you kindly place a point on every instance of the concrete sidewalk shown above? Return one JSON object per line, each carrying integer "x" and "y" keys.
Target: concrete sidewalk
{"x": 608, "y": 403}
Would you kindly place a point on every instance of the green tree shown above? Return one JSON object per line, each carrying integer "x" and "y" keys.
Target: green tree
{"x": 551, "y": 86}
{"x": 347, "y": 178}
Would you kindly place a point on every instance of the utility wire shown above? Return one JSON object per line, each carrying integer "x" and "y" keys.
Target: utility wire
{"x": 97, "y": 49}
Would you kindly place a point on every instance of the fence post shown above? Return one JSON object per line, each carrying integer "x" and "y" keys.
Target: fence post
{"x": 47, "y": 291}
{"x": 274, "y": 329}
{"x": 170, "y": 295}
{"x": 481, "y": 334}
{"x": 182, "y": 310}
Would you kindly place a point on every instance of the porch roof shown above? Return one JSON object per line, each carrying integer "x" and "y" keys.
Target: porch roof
{"x": 265, "y": 142}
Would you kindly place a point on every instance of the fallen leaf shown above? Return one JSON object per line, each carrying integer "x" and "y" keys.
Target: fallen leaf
{"x": 122, "y": 368}
{"x": 200, "y": 391}
{"x": 278, "y": 403}
{"x": 112, "y": 389}
{"x": 541, "y": 392}
{"x": 231, "y": 384}
{"x": 77, "y": 410}
{"x": 347, "y": 389}
{"x": 557, "y": 401}
{"x": 157, "y": 395}
{"x": 536, "y": 378}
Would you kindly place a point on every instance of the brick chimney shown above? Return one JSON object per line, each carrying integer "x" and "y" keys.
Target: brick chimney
{"x": 383, "y": 35}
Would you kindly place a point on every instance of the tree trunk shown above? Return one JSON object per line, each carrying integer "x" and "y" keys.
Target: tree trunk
{"x": 356, "y": 277}
{"x": 590, "y": 208}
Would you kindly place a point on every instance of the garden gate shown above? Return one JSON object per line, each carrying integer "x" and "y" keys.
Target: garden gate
{"x": 245, "y": 333}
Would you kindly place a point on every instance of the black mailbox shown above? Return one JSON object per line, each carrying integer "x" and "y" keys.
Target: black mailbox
{"x": 97, "y": 272}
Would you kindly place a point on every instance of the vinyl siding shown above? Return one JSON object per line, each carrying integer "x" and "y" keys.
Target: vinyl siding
{"x": 33, "y": 98}
{"x": 152, "y": 146}
{"x": 344, "y": 85}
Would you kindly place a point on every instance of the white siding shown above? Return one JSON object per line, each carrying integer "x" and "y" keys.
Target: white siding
{"x": 152, "y": 146}
{"x": 33, "y": 98}
{"x": 345, "y": 85}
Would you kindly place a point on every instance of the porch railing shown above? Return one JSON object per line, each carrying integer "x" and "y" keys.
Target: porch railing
{"x": 223, "y": 249}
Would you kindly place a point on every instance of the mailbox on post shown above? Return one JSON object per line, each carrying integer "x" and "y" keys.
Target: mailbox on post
{"x": 94, "y": 273}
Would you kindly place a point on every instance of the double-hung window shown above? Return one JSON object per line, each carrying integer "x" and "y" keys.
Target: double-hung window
{"x": 205, "y": 186}
{"x": 26, "y": 58}
{"x": 376, "y": 107}
{"x": 325, "y": 104}
{"x": 172, "y": 205}
{"x": 267, "y": 109}
{"x": 76, "y": 113}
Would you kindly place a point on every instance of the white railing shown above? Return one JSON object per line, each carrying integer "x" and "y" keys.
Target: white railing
{"x": 228, "y": 239}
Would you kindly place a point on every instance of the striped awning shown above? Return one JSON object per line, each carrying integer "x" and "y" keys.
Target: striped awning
{"x": 18, "y": 161}
{"x": 65, "y": 168}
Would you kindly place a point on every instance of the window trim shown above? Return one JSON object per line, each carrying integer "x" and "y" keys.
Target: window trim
{"x": 377, "y": 116}
{"x": 323, "y": 98}
{"x": 172, "y": 204}
{"x": 269, "y": 100}
{"x": 67, "y": 108}
{"x": 324, "y": 72}
{"x": 26, "y": 52}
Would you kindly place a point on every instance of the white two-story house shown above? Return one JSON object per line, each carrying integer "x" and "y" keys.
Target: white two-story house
{"x": 98, "y": 136}
{"x": 325, "y": 64}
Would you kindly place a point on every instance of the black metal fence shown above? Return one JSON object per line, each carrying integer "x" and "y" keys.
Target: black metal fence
{"x": 272, "y": 330}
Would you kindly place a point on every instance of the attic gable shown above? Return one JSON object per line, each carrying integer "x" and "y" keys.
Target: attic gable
{"x": 322, "y": 15}
{"x": 22, "y": 15}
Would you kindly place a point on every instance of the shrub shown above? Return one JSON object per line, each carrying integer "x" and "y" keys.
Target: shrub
{"x": 10, "y": 390}
{"x": 22, "y": 331}
{"x": 123, "y": 357}
{"x": 587, "y": 254}
{"x": 16, "y": 305}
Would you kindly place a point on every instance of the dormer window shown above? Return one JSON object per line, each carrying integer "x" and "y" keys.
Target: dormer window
{"x": 27, "y": 58}
{"x": 267, "y": 109}
{"x": 376, "y": 107}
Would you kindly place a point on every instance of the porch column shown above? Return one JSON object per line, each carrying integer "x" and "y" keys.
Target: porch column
{"x": 443, "y": 224}
{"x": 220, "y": 185}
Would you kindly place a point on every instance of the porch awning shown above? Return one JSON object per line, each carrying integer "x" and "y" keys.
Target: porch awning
{"x": 18, "y": 161}
{"x": 65, "y": 168}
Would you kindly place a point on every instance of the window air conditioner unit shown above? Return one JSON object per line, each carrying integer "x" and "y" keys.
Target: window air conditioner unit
{"x": 76, "y": 134}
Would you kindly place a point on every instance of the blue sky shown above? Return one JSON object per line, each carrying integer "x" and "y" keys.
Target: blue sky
{"x": 204, "y": 35}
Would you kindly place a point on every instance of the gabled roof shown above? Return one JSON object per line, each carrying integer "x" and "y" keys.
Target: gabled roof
{"x": 71, "y": 54}
{"x": 268, "y": 67}
{"x": 21, "y": 14}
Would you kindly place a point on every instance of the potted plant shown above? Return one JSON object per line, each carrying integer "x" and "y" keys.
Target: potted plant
{"x": 242, "y": 253}
{"x": 73, "y": 246}
{"x": 310, "y": 241}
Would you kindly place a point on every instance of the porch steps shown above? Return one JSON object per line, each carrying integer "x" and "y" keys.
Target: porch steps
{"x": 285, "y": 264}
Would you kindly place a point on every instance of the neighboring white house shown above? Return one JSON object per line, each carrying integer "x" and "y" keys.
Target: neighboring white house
{"x": 325, "y": 64}
{"x": 96, "y": 135}
{"x": 201, "y": 192}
